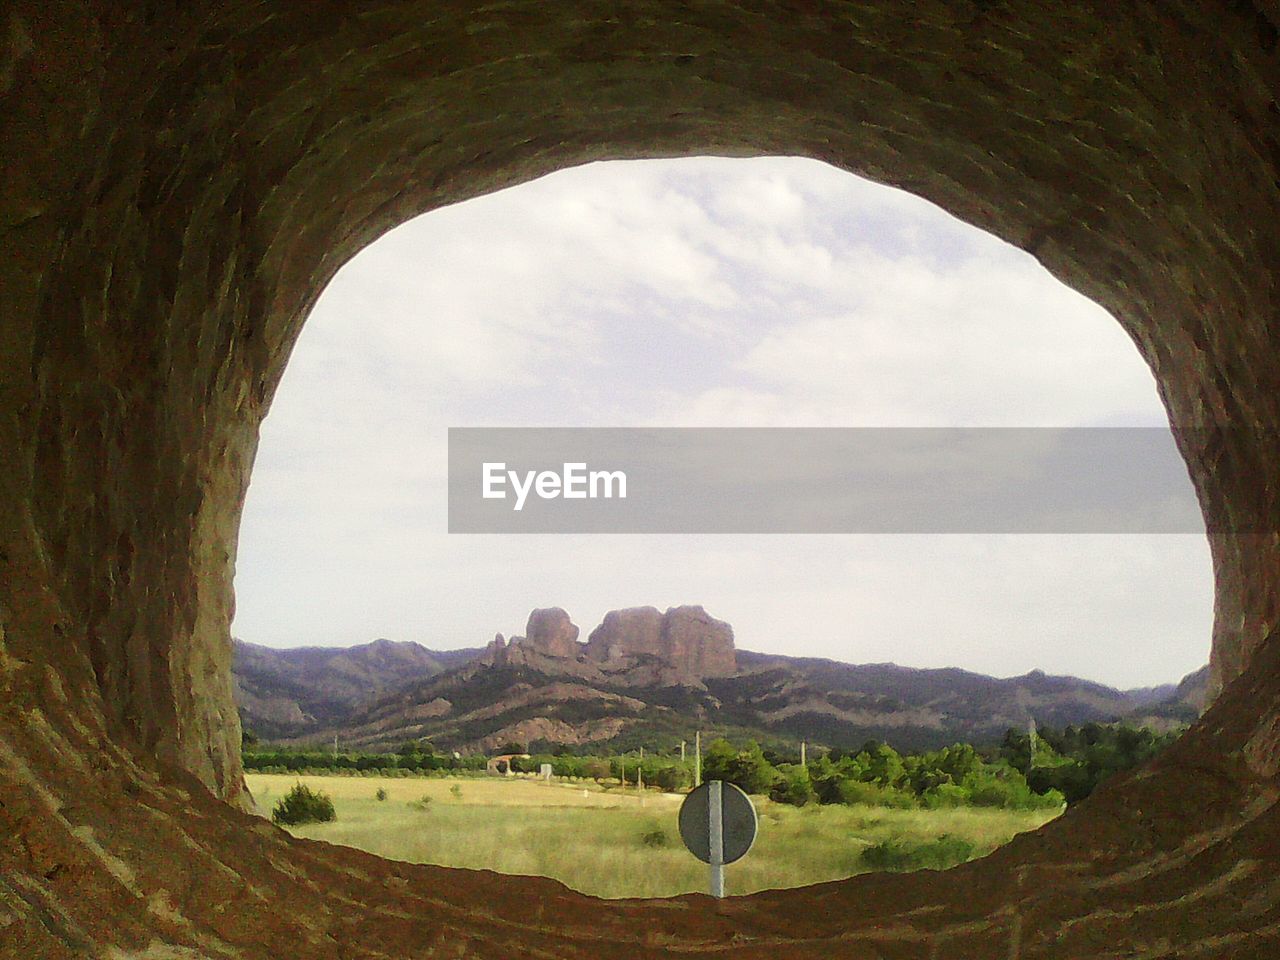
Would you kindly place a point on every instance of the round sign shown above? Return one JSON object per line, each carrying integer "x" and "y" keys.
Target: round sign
{"x": 738, "y": 819}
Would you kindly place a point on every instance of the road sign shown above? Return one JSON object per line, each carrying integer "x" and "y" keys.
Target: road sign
{"x": 718, "y": 824}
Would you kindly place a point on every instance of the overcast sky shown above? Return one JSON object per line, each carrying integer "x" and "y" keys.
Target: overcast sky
{"x": 701, "y": 292}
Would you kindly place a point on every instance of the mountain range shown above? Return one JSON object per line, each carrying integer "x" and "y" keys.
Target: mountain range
{"x": 653, "y": 679}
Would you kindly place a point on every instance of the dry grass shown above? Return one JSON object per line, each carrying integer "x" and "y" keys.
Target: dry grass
{"x": 591, "y": 839}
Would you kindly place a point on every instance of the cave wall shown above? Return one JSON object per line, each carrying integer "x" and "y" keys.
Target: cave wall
{"x": 180, "y": 181}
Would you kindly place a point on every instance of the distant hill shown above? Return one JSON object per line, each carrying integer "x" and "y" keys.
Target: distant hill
{"x": 1182, "y": 704}
{"x": 637, "y": 682}
{"x": 282, "y": 692}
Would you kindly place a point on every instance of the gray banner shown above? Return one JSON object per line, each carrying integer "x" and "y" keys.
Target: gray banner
{"x": 891, "y": 480}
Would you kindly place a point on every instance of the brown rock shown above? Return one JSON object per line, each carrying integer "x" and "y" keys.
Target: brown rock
{"x": 180, "y": 182}
{"x": 697, "y": 642}
{"x": 626, "y": 632}
{"x": 688, "y": 638}
{"x": 550, "y": 631}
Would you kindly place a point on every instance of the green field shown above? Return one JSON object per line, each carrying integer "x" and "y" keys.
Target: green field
{"x": 612, "y": 844}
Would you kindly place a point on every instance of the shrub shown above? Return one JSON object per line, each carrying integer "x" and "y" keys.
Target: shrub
{"x": 303, "y": 805}
{"x": 672, "y": 778}
{"x": 900, "y": 855}
{"x": 655, "y": 837}
{"x": 793, "y": 787}
{"x": 945, "y": 795}
{"x": 855, "y": 791}
{"x": 1007, "y": 788}
{"x": 747, "y": 768}
{"x": 381, "y": 794}
{"x": 456, "y": 790}
{"x": 422, "y": 803}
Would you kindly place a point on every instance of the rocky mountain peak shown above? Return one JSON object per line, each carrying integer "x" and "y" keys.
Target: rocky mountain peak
{"x": 550, "y": 631}
{"x": 684, "y": 645}
{"x": 688, "y": 638}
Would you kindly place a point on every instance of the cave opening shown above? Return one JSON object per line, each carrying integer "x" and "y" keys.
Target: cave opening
{"x": 694, "y": 293}
{"x": 181, "y": 185}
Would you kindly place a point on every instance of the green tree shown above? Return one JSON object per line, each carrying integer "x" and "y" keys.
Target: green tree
{"x": 883, "y": 765}
{"x": 672, "y": 777}
{"x": 747, "y": 767}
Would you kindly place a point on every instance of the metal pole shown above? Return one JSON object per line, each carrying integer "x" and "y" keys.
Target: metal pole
{"x": 715, "y": 809}
{"x": 697, "y": 759}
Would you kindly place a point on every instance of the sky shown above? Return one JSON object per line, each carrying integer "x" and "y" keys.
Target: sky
{"x": 770, "y": 292}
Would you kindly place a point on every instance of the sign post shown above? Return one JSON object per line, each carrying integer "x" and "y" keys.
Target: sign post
{"x": 715, "y": 807}
{"x": 718, "y": 824}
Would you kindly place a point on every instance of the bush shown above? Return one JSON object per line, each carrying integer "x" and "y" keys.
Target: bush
{"x": 303, "y": 805}
{"x": 381, "y": 794}
{"x": 946, "y": 795}
{"x": 672, "y": 778}
{"x": 793, "y": 787}
{"x": 456, "y": 791}
{"x": 747, "y": 768}
{"x": 1007, "y": 788}
{"x": 900, "y": 855}
{"x": 655, "y": 837}
{"x": 423, "y": 803}
{"x": 855, "y": 791}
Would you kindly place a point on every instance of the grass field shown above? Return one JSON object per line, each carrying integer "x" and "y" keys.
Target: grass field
{"x": 608, "y": 844}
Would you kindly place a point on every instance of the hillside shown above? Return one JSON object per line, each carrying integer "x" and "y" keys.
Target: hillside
{"x": 645, "y": 677}
{"x": 282, "y": 692}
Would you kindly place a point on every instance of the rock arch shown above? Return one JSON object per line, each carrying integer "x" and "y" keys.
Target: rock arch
{"x": 180, "y": 180}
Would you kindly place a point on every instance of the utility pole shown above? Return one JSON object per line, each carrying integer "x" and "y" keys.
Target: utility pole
{"x": 640, "y": 777}
{"x": 682, "y": 751}
{"x": 1031, "y": 744}
{"x": 803, "y": 762}
{"x": 335, "y": 746}
{"x": 697, "y": 759}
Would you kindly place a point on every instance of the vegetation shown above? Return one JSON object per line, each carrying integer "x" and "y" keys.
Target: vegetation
{"x": 878, "y": 775}
{"x": 614, "y": 843}
{"x": 899, "y": 854}
{"x": 843, "y": 812}
{"x": 411, "y": 759}
{"x": 1074, "y": 761}
{"x": 303, "y": 805}
{"x": 1068, "y": 765}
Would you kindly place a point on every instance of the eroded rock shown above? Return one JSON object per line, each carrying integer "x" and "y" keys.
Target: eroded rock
{"x": 688, "y": 638}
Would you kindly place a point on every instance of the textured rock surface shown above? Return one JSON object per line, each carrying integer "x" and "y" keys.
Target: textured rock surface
{"x": 179, "y": 182}
{"x": 688, "y": 638}
{"x": 550, "y": 631}
{"x": 623, "y": 632}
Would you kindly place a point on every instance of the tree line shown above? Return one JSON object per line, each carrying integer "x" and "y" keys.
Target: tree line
{"x": 1064, "y": 767}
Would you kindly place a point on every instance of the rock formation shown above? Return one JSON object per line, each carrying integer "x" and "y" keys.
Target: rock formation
{"x": 550, "y": 631}
{"x": 688, "y": 638}
{"x": 689, "y": 643}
